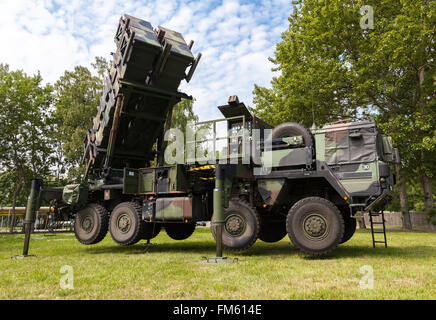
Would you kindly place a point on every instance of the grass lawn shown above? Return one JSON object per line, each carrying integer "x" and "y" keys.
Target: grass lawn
{"x": 170, "y": 269}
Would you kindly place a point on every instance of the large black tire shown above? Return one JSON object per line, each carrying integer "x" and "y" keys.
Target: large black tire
{"x": 292, "y": 129}
{"x": 349, "y": 228}
{"x": 272, "y": 230}
{"x": 315, "y": 226}
{"x": 241, "y": 227}
{"x": 350, "y": 223}
{"x": 125, "y": 225}
{"x": 150, "y": 230}
{"x": 91, "y": 224}
{"x": 179, "y": 231}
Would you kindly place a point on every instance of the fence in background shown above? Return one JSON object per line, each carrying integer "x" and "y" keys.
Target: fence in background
{"x": 420, "y": 221}
{"x": 44, "y": 221}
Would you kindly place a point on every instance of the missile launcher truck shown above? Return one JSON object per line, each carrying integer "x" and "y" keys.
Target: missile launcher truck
{"x": 264, "y": 184}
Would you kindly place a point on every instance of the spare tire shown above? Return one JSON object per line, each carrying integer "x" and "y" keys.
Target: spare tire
{"x": 293, "y": 129}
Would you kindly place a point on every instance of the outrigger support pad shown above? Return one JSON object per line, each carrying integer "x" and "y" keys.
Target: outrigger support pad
{"x": 218, "y": 260}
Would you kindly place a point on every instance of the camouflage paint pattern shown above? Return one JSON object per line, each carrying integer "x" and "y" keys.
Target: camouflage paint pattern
{"x": 173, "y": 209}
{"x": 351, "y": 150}
{"x": 287, "y": 158}
{"x": 75, "y": 194}
{"x": 270, "y": 189}
{"x": 178, "y": 44}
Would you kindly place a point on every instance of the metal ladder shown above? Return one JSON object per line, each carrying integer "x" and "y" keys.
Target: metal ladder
{"x": 378, "y": 230}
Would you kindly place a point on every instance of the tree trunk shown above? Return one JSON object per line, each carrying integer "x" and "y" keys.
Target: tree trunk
{"x": 361, "y": 222}
{"x": 14, "y": 202}
{"x": 407, "y": 223}
{"x": 427, "y": 191}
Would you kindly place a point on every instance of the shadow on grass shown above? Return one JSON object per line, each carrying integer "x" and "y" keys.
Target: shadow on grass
{"x": 353, "y": 251}
{"x": 284, "y": 249}
{"x": 156, "y": 247}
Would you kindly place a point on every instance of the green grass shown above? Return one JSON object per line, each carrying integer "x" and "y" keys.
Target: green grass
{"x": 170, "y": 269}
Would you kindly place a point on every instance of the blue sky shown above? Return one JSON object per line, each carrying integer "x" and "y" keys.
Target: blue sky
{"x": 235, "y": 37}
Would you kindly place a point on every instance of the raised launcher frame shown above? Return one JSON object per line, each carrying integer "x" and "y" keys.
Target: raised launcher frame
{"x": 138, "y": 98}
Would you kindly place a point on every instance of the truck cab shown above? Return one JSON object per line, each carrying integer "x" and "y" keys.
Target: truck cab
{"x": 359, "y": 156}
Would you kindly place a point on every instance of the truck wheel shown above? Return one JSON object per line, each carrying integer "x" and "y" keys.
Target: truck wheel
{"x": 241, "y": 226}
{"x": 91, "y": 224}
{"x": 272, "y": 230}
{"x": 349, "y": 223}
{"x": 125, "y": 225}
{"x": 292, "y": 129}
{"x": 349, "y": 228}
{"x": 150, "y": 230}
{"x": 315, "y": 225}
{"x": 179, "y": 231}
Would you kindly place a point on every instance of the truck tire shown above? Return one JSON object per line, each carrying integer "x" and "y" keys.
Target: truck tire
{"x": 125, "y": 225}
{"x": 91, "y": 224}
{"x": 315, "y": 226}
{"x": 241, "y": 226}
{"x": 349, "y": 228}
{"x": 150, "y": 230}
{"x": 349, "y": 223}
{"x": 292, "y": 129}
{"x": 179, "y": 231}
{"x": 272, "y": 230}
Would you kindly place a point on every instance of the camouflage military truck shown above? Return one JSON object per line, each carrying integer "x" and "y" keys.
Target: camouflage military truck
{"x": 253, "y": 182}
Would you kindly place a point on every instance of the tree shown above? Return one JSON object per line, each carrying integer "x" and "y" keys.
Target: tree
{"x": 400, "y": 73}
{"x": 102, "y": 67}
{"x": 332, "y": 68}
{"x": 183, "y": 113}
{"x": 77, "y": 99}
{"x": 25, "y": 146}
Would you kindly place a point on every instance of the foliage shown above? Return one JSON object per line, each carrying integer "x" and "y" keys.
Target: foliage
{"x": 331, "y": 68}
{"x": 25, "y": 138}
{"x": 77, "y": 99}
{"x": 183, "y": 113}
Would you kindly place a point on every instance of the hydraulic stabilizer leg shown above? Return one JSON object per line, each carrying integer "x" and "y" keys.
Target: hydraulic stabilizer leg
{"x": 218, "y": 210}
{"x": 32, "y": 206}
{"x": 218, "y": 217}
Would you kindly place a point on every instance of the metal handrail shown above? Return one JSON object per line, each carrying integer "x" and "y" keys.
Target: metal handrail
{"x": 215, "y": 138}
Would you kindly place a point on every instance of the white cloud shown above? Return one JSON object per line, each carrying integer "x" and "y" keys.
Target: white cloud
{"x": 235, "y": 37}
